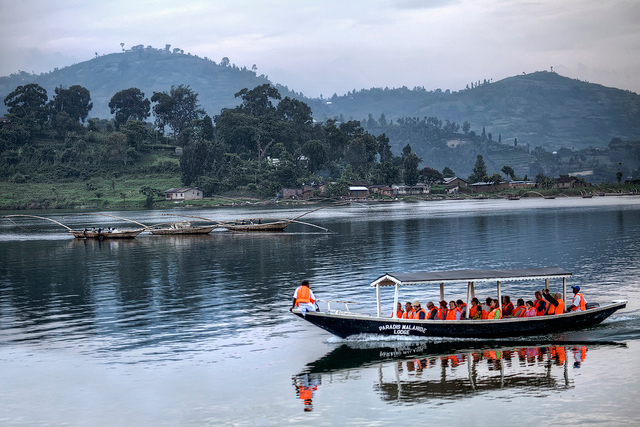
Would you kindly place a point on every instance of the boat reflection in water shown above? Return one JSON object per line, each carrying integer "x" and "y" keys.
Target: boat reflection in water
{"x": 423, "y": 371}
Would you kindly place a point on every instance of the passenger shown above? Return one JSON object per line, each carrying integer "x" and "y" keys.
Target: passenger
{"x": 408, "y": 311}
{"x": 556, "y": 305}
{"x": 486, "y": 308}
{"x": 507, "y": 306}
{"x": 578, "y": 303}
{"x": 454, "y": 313}
{"x": 442, "y": 311}
{"x": 463, "y": 308}
{"x": 420, "y": 313}
{"x": 398, "y": 314}
{"x": 530, "y": 310}
{"x": 495, "y": 312}
{"x": 540, "y": 304}
{"x": 304, "y": 299}
{"x": 475, "y": 312}
{"x": 432, "y": 311}
{"x": 520, "y": 309}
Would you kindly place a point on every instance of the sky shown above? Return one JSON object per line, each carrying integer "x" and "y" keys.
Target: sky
{"x": 326, "y": 47}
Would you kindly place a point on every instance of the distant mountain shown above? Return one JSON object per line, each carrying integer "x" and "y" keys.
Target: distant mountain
{"x": 149, "y": 70}
{"x": 539, "y": 109}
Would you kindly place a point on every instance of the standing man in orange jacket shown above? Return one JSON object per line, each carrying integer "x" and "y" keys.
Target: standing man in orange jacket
{"x": 304, "y": 299}
{"x": 578, "y": 303}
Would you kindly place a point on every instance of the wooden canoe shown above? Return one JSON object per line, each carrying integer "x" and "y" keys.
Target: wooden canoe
{"x": 91, "y": 234}
{"x": 268, "y": 226}
{"x": 180, "y": 231}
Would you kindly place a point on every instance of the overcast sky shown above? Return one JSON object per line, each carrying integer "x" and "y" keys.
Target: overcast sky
{"x": 322, "y": 47}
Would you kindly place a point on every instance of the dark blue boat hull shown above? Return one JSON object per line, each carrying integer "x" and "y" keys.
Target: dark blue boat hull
{"x": 347, "y": 325}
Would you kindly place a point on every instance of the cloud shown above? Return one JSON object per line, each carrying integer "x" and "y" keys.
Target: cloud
{"x": 330, "y": 46}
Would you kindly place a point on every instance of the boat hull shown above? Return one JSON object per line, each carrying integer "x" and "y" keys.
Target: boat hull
{"x": 270, "y": 226}
{"x": 80, "y": 234}
{"x": 347, "y": 325}
{"x": 180, "y": 231}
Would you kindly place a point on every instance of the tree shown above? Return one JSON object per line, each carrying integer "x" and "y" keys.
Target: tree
{"x": 177, "y": 108}
{"x": 544, "y": 181}
{"x": 430, "y": 175}
{"x": 411, "y": 174}
{"x": 479, "y": 170}
{"x": 136, "y": 132}
{"x": 466, "y": 126}
{"x": 496, "y": 178}
{"x": 75, "y": 101}
{"x": 447, "y": 172}
{"x": 129, "y": 104}
{"x": 508, "y": 171}
{"x": 27, "y": 101}
{"x": 316, "y": 152}
{"x": 257, "y": 101}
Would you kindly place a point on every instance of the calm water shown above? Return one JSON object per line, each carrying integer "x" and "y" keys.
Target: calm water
{"x": 179, "y": 330}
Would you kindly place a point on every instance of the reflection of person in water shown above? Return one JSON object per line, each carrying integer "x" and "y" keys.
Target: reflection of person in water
{"x": 305, "y": 385}
{"x": 579, "y": 354}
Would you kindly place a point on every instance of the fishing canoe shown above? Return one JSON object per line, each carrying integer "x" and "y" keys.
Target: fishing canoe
{"x": 267, "y": 226}
{"x": 346, "y": 324}
{"x": 187, "y": 230}
{"x": 119, "y": 234}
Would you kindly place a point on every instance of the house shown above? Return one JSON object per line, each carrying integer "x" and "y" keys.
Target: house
{"x": 521, "y": 184}
{"x": 570, "y": 182}
{"x": 411, "y": 190}
{"x": 183, "y": 194}
{"x": 383, "y": 190}
{"x": 358, "y": 192}
{"x": 452, "y": 185}
{"x": 488, "y": 187}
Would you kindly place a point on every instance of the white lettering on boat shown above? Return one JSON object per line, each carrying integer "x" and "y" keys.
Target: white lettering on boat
{"x": 402, "y": 329}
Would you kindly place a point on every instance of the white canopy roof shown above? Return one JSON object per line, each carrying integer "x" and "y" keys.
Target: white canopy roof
{"x": 428, "y": 277}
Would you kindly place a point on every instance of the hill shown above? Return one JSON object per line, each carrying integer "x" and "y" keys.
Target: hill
{"x": 539, "y": 109}
{"x": 149, "y": 70}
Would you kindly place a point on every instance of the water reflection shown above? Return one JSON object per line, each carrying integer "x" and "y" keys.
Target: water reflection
{"x": 447, "y": 371}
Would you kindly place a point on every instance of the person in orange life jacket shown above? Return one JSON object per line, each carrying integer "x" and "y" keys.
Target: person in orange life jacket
{"x": 432, "y": 311}
{"x": 408, "y": 311}
{"x": 475, "y": 312}
{"x": 578, "y": 303}
{"x": 486, "y": 308}
{"x": 420, "y": 313}
{"x": 399, "y": 311}
{"x": 540, "y": 304}
{"x": 520, "y": 309}
{"x": 495, "y": 312}
{"x": 530, "y": 311}
{"x": 556, "y": 305}
{"x": 304, "y": 299}
{"x": 454, "y": 313}
{"x": 507, "y": 306}
{"x": 463, "y": 308}
{"x": 442, "y": 311}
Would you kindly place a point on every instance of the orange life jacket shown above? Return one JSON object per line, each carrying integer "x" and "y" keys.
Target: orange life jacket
{"x": 473, "y": 310}
{"x": 560, "y": 307}
{"x": 399, "y": 314}
{"x": 408, "y": 314}
{"x": 430, "y": 313}
{"x": 495, "y": 314}
{"x": 442, "y": 313}
{"x": 515, "y": 312}
{"x": 552, "y": 309}
{"x": 583, "y": 304}
{"x": 451, "y": 314}
{"x": 304, "y": 296}
{"x": 537, "y": 303}
{"x": 416, "y": 315}
{"x": 465, "y": 309}
{"x": 506, "y": 308}
{"x": 485, "y": 314}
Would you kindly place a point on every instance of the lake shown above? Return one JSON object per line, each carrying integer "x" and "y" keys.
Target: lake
{"x": 179, "y": 330}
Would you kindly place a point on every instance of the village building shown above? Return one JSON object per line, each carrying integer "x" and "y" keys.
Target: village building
{"x": 358, "y": 192}
{"x": 411, "y": 190}
{"x": 183, "y": 194}
{"x": 488, "y": 187}
{"x": 570, "y": 182}
{"x": 383, "y": 190}
{"x": 521, "y": 184}
{"x": 452, "y": 185}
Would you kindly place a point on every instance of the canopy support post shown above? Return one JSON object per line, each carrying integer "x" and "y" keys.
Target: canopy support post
{"x": 500, "y": 297}
{"x": 546, "y": 284}
{"x": 564, "y": 291}
{"x": 442, "y": 291}
{"x": 395, "y": 302}
{"x": 469, "y": 286}
{"x": 378, "y": 299}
